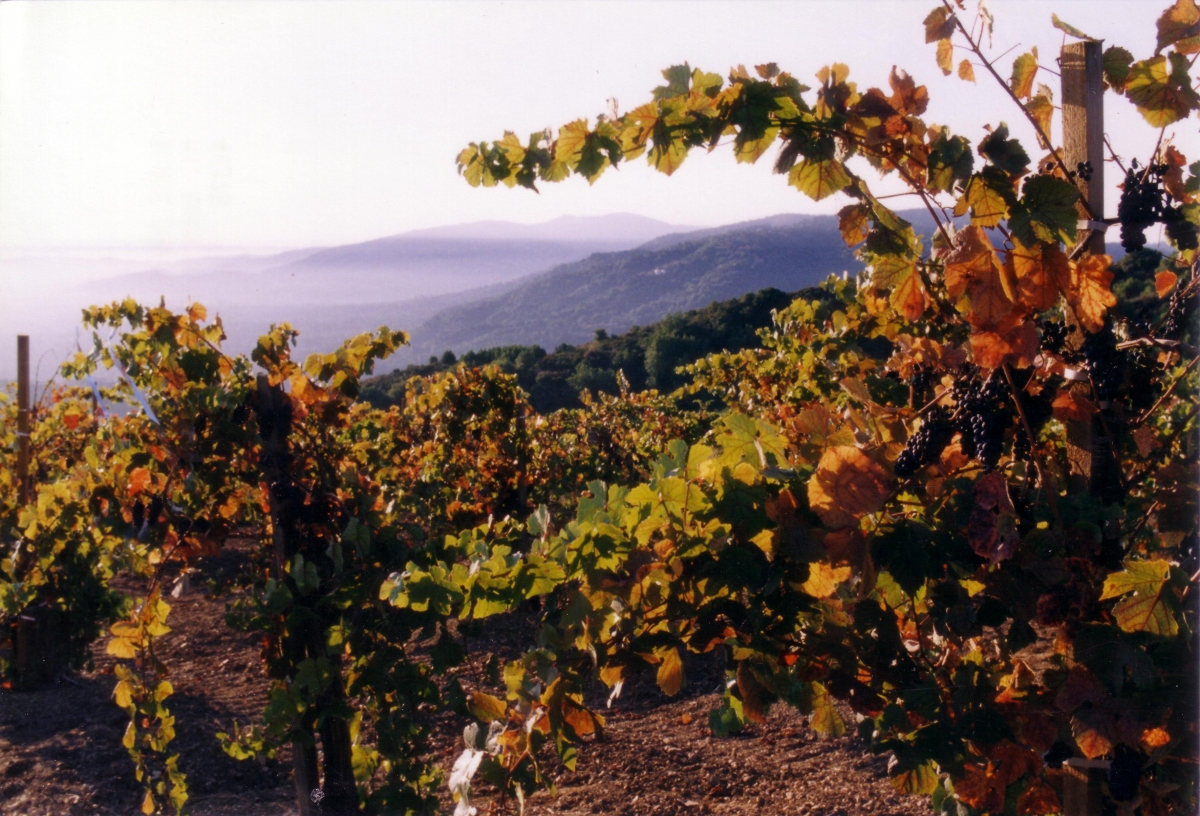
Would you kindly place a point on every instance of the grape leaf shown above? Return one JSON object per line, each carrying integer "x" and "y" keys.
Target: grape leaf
{"x": 1042, "y": 272}
{"x": 966, "y": 71}
{"x": 1179, "y": 26}
{"x": 1046, "y": 211}
{"x": 1162, "y": 91}
{"x": 1090, "y": 295}
{"x": 988, "y": 196}
{"x": 1069, "y": 29}
{"x": 1117, "y": 62}
{"x": 670, "y": 672}
{"x": 1007, "y": 154}
{"x": 846, "y": 486}
{"x": 1024, "y": 70}
{"x": 939, "y": 24}
{"x": 945, "y": 56}
{"x": 1147, "y": 609}
{"x": 485, "y": 707}
{"x": 823, "y": 580}
{"x": 819, "y": 179}
{"x": 826, "y": 720}
{"x": 976, "y": 280}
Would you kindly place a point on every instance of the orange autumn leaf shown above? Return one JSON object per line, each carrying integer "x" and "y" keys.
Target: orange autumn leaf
{"x": 976, "y": 280}
{"x": 909, "y": 298}
{"x": 139, "y": 481}
{"x": 1070, "y": 407}
{"x": 1173, "y": 178}
{"x": 980, "y": 788}
{"x": 847, "y": 485}
{"x": 1018, "y": 345}
{"x": 1039, "y": 798}
{"x": 1090, "y": 296}
{"x": 1042, "y": 272}
{"x": 1155, "y": 738}
{"x": 1164, "y": 282}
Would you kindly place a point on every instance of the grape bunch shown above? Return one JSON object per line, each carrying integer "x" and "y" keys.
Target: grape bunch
{"x": 983, "y": 415}
{"x": 926, "y": 445}
{"x": 1180, "y": 231}
{"x": 921, "y": 377}
{"x": 1181, "y": 312}
{"x": 1141, "y": 205}
{"x": 1103, "y": 363}
{"x": 1054, "y": 335}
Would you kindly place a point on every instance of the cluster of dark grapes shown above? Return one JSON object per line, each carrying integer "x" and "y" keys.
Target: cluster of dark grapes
{"x": 1143, "y": 204}
{"x": 926, "y": 445}
{"x": 922, "y": 376}
{"x": 982, "y": 414}
{"x": 1054, "y": 335}
{"x": 1084, "y": 170}
{"x": 1103, "y": 362}
{"x": 1181, "y": 313}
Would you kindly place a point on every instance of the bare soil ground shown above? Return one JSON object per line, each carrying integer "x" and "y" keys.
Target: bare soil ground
{"x": 60, "y": 747}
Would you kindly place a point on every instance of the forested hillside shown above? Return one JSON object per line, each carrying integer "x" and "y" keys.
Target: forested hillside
{"x": 647, "y": 356}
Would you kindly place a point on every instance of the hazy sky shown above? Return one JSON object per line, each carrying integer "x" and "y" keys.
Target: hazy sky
{"x": 273, "y": 125}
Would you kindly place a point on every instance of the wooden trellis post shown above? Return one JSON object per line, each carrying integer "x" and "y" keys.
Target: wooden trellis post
{"x": 1093, "y": 466}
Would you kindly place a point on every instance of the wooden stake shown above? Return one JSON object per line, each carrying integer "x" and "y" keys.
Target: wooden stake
{"x": 1083, "y": 786}
{"x": 23, "y": 483}
{"x": 1083, "y": 129}
{"x": 1090, "y": 453}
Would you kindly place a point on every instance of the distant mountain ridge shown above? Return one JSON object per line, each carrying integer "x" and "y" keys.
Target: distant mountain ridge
{"x": 615, "y": 291}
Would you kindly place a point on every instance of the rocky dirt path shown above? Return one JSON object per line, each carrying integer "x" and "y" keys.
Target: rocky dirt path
{"x": 60, "y": 751}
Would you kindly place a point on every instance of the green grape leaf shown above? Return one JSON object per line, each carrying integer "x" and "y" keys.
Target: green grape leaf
{"x": 1007, "y": 154}
{"x": 1069, "y": 29}
{"x": 1046, "y": 211}
{"x": 1117, "y": 62}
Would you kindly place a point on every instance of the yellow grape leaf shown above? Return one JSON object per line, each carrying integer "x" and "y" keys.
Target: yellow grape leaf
{"x": 148, "y": 806}
{"x": 847, "y": 485}
{"x": 765, "y": 541}
{"x": 819, "y": 179}
{"x": 752, "y": 693}
{"x": 1042, "y": 272}
{"x": 976, "y": 280}
{"x": 1090, "y": 296}
{"x": 945, "y": 56}
{"x": 130, "y": 736}
{"x": 985, "y": 198}
{"x": 670, "y": 672}
{"x": 1145, "y": 610}
{"x": 1164, "y": 282}
{"x": 197, "y": 313}
{"x": 611, "y": 675}
{"x": 852, "y": 222}
{"x": 1024, "y": 70}
{"x": 966, "y": 71}
{"x": 1041, "y": 109}
{"x": 485, "y": 707}
{"x": 1180, "y": 26}
{"x": 919, "y": 781}
{"x": 826, "y": 720}
{"x": 121, "y": 648}
{"x": 823, "y": 579}
{"x": 1162, "y": 89}
{"x": 163, "y": 690}
{"x": 123, "y": 694}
